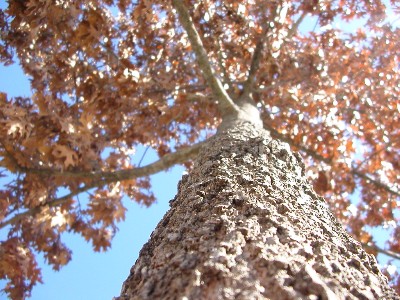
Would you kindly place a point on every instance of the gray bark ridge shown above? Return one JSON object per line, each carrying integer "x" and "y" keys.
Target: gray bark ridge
{"x": 246, "y": 224}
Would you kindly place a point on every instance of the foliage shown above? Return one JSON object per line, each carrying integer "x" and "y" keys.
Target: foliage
{"x": 108, "y": 76}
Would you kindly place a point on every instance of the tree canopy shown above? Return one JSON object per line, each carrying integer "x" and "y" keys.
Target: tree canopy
{"x": 108, "y": 76}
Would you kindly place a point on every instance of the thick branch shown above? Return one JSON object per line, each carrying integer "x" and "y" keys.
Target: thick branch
{"x": 163, "y": 163}
{"x": 225, "y": 103}
{"x": 103, "y": 178}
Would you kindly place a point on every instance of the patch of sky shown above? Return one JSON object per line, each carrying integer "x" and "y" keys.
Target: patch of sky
{"x": 17, "y": 85}
{"x": 312, "y": 24}
{"x": 380, "y": 233}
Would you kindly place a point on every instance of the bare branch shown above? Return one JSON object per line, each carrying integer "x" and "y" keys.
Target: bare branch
{"x": 377, "y": 183}
{"x": 196, "y": 96}
{"x": 103, "y": 178}
{"x": 225, "y": 103}
{"x": 222, "y": 67}
{"x": 20, "y": 216}
{"x": 392, "y": 254}
{"x": 255, "y": 62}
{"x": 35, "y": 210}
{"x": 296, "y": 25}
{"x": 220, "y": 59}
{"x": 279, "y": 17}
{"x": 163, "y": 163}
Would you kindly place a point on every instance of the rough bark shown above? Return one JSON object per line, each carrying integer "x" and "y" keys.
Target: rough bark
{"x": 246, "y": 224}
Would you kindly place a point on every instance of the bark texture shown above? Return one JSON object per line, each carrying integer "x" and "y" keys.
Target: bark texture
{"x": 246, "y": 224}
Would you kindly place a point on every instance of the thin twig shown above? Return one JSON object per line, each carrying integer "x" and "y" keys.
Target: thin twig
{"x": 296, "y": 25}
{"x": 144, "y": 154}
{"x": 33, "y": 211}
{"x": 369, "y": 157}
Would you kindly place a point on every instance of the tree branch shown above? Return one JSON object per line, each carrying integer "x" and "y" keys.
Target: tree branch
{"x": 163, "y": 163}
{"x": 225, "y": 103}
{"x": 222, "y": 67}
{"x": 329, "y": 161}
{"x": 255, "y": 62}
{"x": 284, "y": 138}
{"x": 392, "y": 254}
{"x": 103, "y": 178}
{"x": 296, "y": 25}
{"x": 35, "y": 210}
{"x": 20, "y": 216}
{"x": 279, "y": 17}
{"x": 378, "y": 183}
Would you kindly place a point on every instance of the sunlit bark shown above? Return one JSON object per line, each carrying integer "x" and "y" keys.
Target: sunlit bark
{"x": 246, "y": 224}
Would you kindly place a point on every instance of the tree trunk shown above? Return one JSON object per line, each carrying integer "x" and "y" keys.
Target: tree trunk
{"x": 246, "y": 224}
